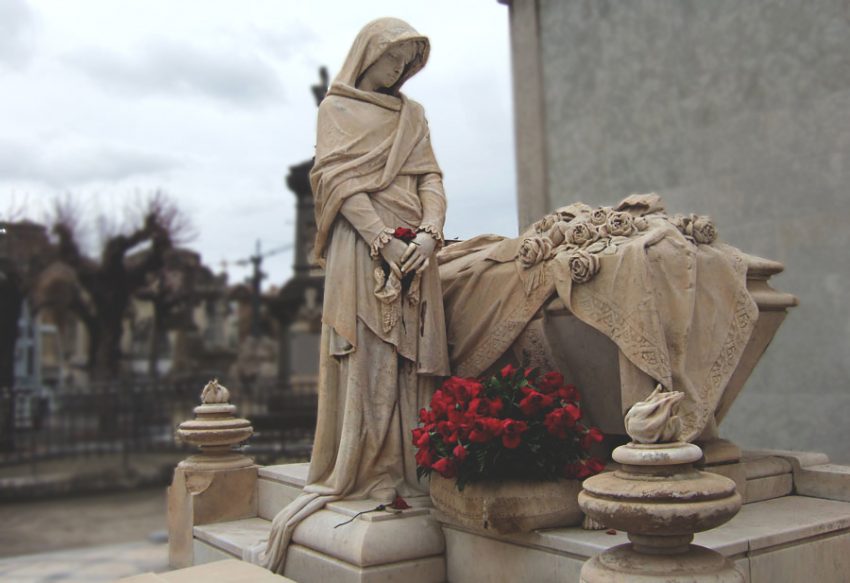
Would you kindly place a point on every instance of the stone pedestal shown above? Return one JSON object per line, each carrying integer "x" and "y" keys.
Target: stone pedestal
{"x": 217, "y": 485}
{"x": 375, "y": 547}
{"x": 660, "y": 500}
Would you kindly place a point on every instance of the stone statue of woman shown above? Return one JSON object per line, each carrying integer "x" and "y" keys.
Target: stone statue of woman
{"x": 377, "y": 185}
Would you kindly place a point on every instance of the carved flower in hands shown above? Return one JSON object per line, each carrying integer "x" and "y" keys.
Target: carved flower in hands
{"x": 620, "y": 224}
{"x": 534, "y": 250}
{"x": 583, "y": 266}
{"x": 652, "y": 420}
{"x": 600, "y": 216}
{"x": 581, "y": 232}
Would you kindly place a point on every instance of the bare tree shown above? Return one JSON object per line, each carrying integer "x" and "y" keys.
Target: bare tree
{"x": 107, "y": 283}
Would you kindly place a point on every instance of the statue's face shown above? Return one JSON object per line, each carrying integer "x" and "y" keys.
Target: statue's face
{"x": 387, "y": 70}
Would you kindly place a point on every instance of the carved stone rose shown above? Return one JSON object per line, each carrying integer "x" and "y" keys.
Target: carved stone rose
{"x": 544, "y": 224}
{"x": 534, "y": 250}
{"x": 583, "y": 266}
{"x": 581, "y": 233}
{"x": 703, "y": 230}
{"x": 600, "y": 216}
{"x": 620, "y": 224}
{"x": 698, "y": 227}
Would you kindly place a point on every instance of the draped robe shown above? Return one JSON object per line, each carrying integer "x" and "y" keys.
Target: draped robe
{"x": 373, "y": 378}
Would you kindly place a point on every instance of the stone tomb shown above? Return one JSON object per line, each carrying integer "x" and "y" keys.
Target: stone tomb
{"x": 793, "y": 527}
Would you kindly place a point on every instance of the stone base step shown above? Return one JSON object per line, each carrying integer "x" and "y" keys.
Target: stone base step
{"x": 227, "y": 571}
{"x": 279, "y": 485}
{"x": 346, "y": 541}
{"x": 783, "y": 540}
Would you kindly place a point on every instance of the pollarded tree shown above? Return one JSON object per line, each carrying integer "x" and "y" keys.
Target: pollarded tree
{"x": 102, "y": 287}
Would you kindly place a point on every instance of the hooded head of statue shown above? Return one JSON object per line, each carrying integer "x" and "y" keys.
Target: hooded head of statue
{"x": 386, "y": 53}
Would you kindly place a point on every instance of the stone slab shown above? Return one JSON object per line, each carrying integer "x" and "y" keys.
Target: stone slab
{"x": 794, "y": 522}
{"x": 815, "y": 476}
{"x": 235, "y": 536}
{"x": 225, "y": 571}
{"x": 292, "y": 474}
{"x": 308, "y": 566}
{"x": 272, "y": 496}
{"x": 829, "y": 481}
{"x": 206, "y": 553}
{"x": 761, "y": 466}
{"x": 825, "y": 560}
{"x": 769, "y": 487}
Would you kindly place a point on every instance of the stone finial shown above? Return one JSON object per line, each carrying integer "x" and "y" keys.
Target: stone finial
{"x": 214, "y": 393}
{"x": 217, "y": 431}
{"x": 652, "y": 420}
{"x": 660, "y": 500}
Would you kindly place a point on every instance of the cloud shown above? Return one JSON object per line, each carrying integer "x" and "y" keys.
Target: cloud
{"x": 18, "y": 29}
{"x": 164, "y": 67}
{"x": 70, "y": 163}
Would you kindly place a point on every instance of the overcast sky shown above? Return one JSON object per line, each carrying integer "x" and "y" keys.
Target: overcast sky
{"x": 211, "y": 101}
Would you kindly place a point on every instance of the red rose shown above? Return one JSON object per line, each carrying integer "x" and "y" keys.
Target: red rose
{"x": 512, "y": 431}
{"x": 461, "y": 389}
{"x": 560, "y": 421}
{"x": 441, "y": 402}
{"x": 399, "y": 504}
{"x": 448, "y": 430}
{"x": 595, "y": 465}
{"x": 486, "y": 407}
{"x": 569, "y": 393}
{"x": 550, "y": 382}
{"x": 507, "y": 370}
{"x": 405, "y": 234}
{"x": 425, "y": 416}
{"x": 421, "y": 437}
{"x": 445, "y": 467}
{"x": 460, "y": 453}
{"x": 593, "y": 435}
{"x": 425, "y": 458}
{"x": 534, "y": 402}
{"x": 485, "y": 429}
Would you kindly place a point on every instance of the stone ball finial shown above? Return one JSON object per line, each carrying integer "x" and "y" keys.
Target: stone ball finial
{"x": 652, "y": 420}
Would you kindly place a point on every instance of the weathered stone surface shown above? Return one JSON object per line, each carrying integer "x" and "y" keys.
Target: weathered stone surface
{"x": 203, "y": 497}
{"x": 508, "y": 506}
{"x": 224, "y": 571}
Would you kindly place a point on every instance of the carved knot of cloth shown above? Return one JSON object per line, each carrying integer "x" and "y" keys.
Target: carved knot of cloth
{"x": 388, "y": 290}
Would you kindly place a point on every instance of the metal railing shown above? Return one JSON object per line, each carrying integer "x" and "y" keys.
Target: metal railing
{"x": 132, "y": 417}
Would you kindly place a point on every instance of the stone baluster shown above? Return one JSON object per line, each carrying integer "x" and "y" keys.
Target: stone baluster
{"x": 216, "y": 485}
{"x": 660, "y": 500}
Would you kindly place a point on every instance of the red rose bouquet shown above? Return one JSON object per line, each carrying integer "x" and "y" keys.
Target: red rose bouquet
{"x": 518, "y": 424}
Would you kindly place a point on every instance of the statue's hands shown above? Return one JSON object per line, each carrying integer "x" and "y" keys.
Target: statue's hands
{"x": 394, "y": 254}
{"x": 418, "y": 254}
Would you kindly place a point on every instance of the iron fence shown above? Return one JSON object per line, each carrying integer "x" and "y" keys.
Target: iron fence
{"x": 131, "y": 417}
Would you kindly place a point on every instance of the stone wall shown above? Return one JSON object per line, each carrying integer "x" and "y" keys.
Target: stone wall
{"x": 740, "y": 110}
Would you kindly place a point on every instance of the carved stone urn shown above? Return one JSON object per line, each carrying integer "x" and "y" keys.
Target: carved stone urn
{"x": 660, "y": 500}
{"x": 217, "y": 431}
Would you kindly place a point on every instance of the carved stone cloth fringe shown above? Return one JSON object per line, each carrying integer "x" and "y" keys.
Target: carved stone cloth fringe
{"x": 368, "y": 404}
{"x": 679, "y": 312}
{"x": 388, "y": 289}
